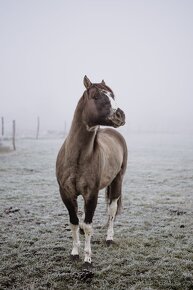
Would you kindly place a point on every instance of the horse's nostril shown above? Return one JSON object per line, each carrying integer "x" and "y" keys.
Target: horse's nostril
{"x": 119, "y": 114}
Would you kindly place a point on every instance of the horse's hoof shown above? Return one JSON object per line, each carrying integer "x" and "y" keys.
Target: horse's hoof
{"x": 87, "y": 265}
{"x": 109, "y": 242}
{"x": 81, "y": 231}
{"x": 74, "y": 257}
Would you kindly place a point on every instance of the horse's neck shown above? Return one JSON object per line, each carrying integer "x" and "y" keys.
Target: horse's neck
{"x": 80, "y": 141}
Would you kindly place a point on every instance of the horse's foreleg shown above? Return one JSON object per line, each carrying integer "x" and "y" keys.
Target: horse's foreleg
{"x": 71, "y": 205}
{"x": 112, "y": 210}
{"x": 74, "y": 223}
{"x": 90, "y": 206}
{"x": 76, "y": 241}
{"x": 88, "y": 232}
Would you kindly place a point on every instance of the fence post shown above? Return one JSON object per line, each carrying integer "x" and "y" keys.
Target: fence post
{"x": 13, "y": 135}
{"x": 2, "y": 126}
{"x": 38, "y": 128}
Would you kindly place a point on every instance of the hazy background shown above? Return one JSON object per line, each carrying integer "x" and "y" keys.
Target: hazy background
{"x": 143, "y": 50}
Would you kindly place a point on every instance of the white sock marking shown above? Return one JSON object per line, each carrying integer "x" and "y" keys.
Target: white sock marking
{"x": 88, "y": 231}
{"x": 75, "y": 238}
{"x": 111, "y": 212}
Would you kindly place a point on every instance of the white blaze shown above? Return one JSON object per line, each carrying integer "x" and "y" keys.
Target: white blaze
{"x": 111, "y": 100}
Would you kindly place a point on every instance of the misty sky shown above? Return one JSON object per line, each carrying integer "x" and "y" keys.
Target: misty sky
{"x": 143, "y": 50}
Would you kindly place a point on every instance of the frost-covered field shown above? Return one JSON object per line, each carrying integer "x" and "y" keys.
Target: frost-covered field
{"x": 153, "y": 246}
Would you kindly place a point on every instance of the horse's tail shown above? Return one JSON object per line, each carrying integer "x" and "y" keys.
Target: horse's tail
{"x": 110, "y": 197}
{"x": 119, "y": 204}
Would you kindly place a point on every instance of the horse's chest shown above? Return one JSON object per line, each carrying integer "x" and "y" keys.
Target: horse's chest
{"x": 80, "y": 181}
{"x": 86, "y": 181}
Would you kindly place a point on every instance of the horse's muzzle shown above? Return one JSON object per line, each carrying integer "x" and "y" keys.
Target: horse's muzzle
{"x": 117, "y": 118}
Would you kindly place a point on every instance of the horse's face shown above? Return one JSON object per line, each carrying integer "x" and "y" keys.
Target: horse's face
{"x": 100, "y": 107}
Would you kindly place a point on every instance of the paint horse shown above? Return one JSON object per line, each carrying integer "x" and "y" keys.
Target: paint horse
{"x": 90, "y": 159}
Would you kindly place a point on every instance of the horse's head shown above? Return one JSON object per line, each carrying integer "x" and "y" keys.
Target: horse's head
{"x": 100, "y": 107}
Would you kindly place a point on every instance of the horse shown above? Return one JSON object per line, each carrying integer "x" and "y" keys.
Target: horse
{"x": 91, "y": 159}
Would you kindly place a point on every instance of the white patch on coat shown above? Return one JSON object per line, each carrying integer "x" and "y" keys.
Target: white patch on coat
{"x": 111, "y": 100}
{"x": 88, "y": 231}
{"x": 75, "y": 238}
{"x": 112, "y": 209}
{"x": 92, "y": 129}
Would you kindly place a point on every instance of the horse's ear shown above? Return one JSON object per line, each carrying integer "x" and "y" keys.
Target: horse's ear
{"x": 87, "y": 82}
{"x": 103, "y": 82}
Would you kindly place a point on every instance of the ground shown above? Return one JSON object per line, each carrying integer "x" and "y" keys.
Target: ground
{"x": 153, "y": 246}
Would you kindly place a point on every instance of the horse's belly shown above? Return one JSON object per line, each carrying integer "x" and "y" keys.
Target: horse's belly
{"x": 109, "y": 172}
{"x": 106, "y": 180}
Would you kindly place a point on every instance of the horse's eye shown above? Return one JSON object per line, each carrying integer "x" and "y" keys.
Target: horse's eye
{"x": 96, "y": 97}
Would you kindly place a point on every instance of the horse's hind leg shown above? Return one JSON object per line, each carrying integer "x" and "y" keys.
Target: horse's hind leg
{"x": 71, "y": 205}
{"x": 112, "y": 210}
{"x": 114, "y": 202}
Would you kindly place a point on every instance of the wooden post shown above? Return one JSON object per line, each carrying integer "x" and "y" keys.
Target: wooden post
{"x": 38, "y": 128}
{"x": 13, "y": 136}
{"x": 2, "y": 126}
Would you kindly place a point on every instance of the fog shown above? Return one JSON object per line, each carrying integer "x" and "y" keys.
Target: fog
{"x": 142, "y": 49}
